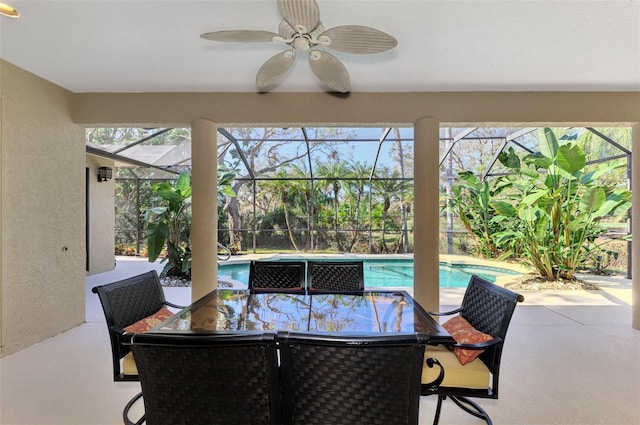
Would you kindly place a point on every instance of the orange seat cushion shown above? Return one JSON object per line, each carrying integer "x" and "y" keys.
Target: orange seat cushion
{"x": 462, "y": 331}
{"x": 143, "y": 325}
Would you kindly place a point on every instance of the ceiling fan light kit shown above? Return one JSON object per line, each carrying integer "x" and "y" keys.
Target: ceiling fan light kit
{"x": 302, "y": 31}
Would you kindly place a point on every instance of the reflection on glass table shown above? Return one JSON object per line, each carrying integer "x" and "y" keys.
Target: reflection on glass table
{"x": 362, "y": 313}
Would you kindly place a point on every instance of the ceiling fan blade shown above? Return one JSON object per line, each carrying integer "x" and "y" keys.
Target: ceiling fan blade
{"x": 274, "y": 68}
{"x": 300, "y": 12}
{"x": 239, "y": 36}
{"x": 330, "y": 70}
{"x": 285, "y": 30}
{"x": 359, "y": 39}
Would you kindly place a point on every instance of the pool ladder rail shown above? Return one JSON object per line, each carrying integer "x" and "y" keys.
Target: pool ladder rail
{"x": 226, "y": 252}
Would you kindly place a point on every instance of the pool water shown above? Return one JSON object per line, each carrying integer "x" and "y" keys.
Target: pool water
{"x": 394, "y": 273}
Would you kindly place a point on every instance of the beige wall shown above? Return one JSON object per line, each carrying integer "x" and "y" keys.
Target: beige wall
{"x": 42, "y": 217}
{"x": 458, "y": 108}
{"x": 101, "y": 217}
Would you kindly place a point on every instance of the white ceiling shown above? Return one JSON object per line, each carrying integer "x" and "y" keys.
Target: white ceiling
{"x": 443, "y": 45}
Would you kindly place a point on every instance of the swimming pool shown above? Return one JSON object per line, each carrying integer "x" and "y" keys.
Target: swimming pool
{"x": 394, "y": 273}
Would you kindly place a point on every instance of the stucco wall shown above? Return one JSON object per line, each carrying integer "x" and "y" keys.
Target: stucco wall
{"x": 101, "y": 217}
{"x": 459, "y": 109}
{"x": 42, "y": 221}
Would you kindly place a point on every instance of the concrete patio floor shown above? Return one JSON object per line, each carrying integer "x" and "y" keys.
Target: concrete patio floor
{"x": 569, "y": 358}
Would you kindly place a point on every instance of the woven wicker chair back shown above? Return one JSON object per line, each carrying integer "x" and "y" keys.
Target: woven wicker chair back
{"x": 277, "y": 275}
{"x": 350, "y": 383}
{"x": 335, "y": 276}
{"x": 134, "y": 301}
{"x": 125, "y": 302}
{"x": 489, "y": 308}
{"x": 208, "y": 380}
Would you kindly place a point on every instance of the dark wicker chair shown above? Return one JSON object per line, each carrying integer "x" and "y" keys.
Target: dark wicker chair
{"x": 208, "y": 379}
{"x": 124, "y": 303}
{"x": 277, "y": 276}
{"x": 488, "y": 308}
{"x": 342, "y": 380}
{"x": 335, "y": 276}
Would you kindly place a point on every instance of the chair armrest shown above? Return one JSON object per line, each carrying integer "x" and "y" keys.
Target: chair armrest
{"x": 170, "y": 304}
{"x": 127, "y": 338}
{"x": 445, "y": 313}
{"x": 436, "y": 382}
{"x": 479, "y": 345}
{"x": 117, "y": 329}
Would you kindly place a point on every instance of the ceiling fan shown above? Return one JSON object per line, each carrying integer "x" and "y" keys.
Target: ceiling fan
{"x": 302, "y": 31}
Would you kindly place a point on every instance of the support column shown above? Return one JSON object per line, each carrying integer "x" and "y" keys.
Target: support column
{"x": 426, "y": 280}
{"x": 635, "y": 225}
{"x": 204, "y": 208}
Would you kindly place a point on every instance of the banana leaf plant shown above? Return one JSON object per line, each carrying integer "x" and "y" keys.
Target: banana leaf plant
{"x": 471, "y": 201}
{"x": 169, "y": 222}
{"x": 556, "y": 205}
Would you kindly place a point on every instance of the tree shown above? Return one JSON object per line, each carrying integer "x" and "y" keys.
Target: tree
{"x": 333, "y": 175}
{"x": 282, "y": 188}
{"x": 389, "y": 189}
{"x": 263, "y": 157}
{"x": 132, "y": 196}
{"x": 356, "y": 191}
{"x": 303, "y": 191}
{"x": 405, "y": 199}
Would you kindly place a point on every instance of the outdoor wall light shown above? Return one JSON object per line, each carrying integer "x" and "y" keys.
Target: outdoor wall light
{"x": 9, "y": 11}
{"x": 104, "y": 174}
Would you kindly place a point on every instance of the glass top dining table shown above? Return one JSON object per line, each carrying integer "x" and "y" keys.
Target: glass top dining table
{"x": 372, "y": 313}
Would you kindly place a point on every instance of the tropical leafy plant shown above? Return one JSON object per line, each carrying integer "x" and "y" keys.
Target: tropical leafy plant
{"x": 555, "y": 205}
{"x": 169, "y": 223}
{"x": 471, "y": 201}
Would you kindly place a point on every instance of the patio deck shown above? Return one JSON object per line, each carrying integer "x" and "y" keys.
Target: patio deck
{"x": 570, "y": 358}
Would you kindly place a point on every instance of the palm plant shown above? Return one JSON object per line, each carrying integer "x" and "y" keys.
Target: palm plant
{"x": 356, "y": 191}
{"x": 334, "y": 173}
{"x": 281, "y": 187}
{"x": 389, "y": 190}
{"x": 302, "y": 190}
